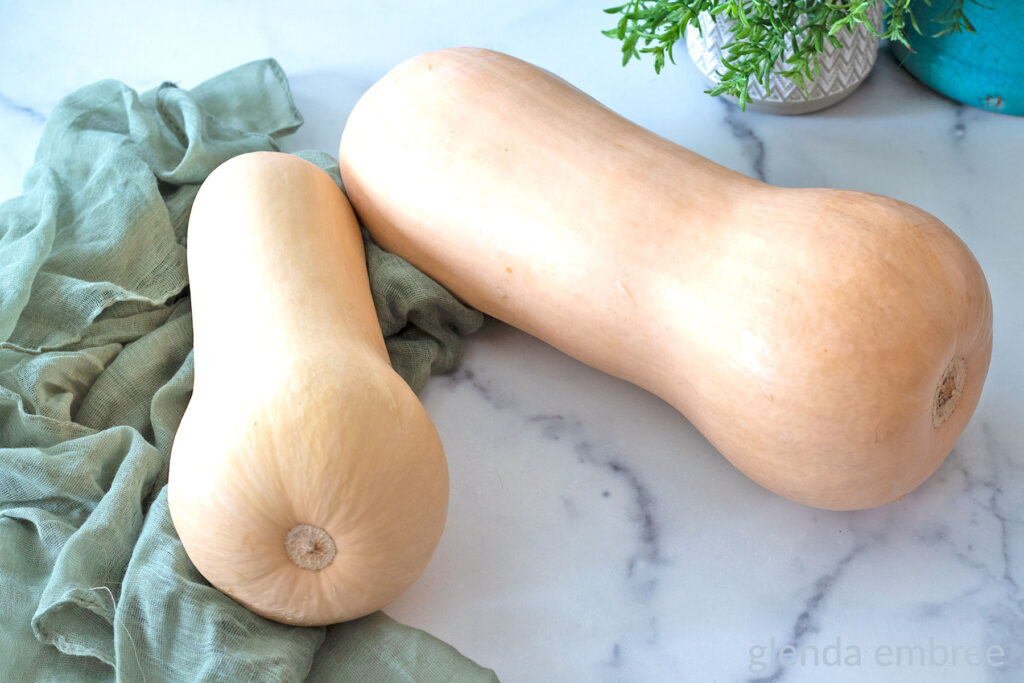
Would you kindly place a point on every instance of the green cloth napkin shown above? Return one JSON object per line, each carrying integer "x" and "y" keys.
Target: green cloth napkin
{"x": 95, "y": 373}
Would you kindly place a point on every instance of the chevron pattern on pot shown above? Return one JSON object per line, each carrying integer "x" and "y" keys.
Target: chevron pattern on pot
{"x": 841, "y": 69}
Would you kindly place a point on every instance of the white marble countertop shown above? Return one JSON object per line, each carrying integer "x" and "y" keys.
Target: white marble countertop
{"x": 593, "y": 534}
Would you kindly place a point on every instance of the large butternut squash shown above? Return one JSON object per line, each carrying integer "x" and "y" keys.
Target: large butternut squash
{"x": 306, "y": 480}
{"x": 831, "y": 344}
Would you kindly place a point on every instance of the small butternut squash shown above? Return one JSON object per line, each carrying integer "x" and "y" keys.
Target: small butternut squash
{"x": 306, "y": 480}
{"x": 831, "y": 344}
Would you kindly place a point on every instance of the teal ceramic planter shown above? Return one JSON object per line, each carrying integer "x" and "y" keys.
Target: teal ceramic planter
{"x": 983, "y": 69}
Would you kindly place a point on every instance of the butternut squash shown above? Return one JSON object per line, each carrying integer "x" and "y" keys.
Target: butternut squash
{"x": 831, "y": 344}
{"x": 306, "y": 480}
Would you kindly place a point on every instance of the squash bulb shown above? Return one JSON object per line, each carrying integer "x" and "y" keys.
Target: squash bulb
{"x": 306, "y": 480}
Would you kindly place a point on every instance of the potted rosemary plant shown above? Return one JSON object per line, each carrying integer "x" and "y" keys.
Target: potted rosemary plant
{"x": 781, "y": 56}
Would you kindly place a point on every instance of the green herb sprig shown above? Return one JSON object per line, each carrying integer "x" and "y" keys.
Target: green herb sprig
{"x": 763, "y": 31}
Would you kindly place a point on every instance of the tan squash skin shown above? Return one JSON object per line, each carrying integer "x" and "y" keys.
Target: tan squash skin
{"x": 297, "y": 417}
{"x": 812, "y": 335}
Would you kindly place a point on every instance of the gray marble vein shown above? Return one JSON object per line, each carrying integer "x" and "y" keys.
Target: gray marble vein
{"x": 808, "y": 622}
{"x": 21, "y": 109}
{"x": 741, "y": 128}
{"x": 960, "y": 123}
{"x": 643, "y": 564}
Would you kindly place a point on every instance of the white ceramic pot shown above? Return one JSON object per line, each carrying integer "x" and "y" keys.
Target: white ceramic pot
{"x": 842, "y": 69}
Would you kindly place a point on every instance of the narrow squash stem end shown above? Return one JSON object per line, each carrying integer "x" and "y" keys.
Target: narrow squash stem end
{"x": 309, "y": 547}
{"x": 948, "y": 392}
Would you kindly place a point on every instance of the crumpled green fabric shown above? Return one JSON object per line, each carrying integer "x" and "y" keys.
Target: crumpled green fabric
{"x": 95, "y": 373}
